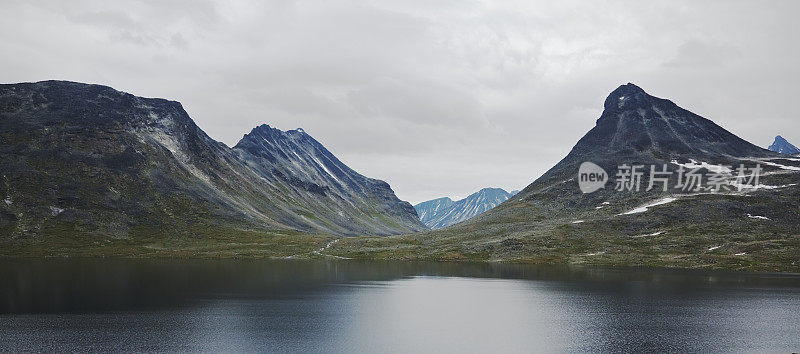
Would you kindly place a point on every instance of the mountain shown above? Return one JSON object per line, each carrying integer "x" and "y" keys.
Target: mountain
{"x": 639, "y": 127}
{"x": 781, "y": 146}
{"x": 443, "y": 212}
{"x": 433, "y": 209}
{"x": 95, "y": 164}
{"x": 315, "y": 181}
{"x": 552, "y": 220}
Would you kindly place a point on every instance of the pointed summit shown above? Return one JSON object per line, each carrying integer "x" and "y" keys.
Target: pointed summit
{"x": 783, "y": 147}
{"x": 636, "y": 127}
{"x": 263, "y": 131}
{"x": 627, "y": 94}
{"x": 635, "y": 123}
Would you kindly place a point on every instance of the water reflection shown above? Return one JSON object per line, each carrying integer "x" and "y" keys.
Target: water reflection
{"x": 256, "y": 305}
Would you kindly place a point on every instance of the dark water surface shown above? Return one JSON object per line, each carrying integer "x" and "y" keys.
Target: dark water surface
{"x": 347, "y": 306}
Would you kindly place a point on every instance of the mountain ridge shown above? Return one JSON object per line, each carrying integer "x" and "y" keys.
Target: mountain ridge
{"x": 299, "y": 161}
{"x": 443, "y": 212}
{"x": 117, "y": 165}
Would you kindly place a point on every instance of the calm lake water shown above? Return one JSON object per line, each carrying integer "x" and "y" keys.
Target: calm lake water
{"x": 346, "y": 306}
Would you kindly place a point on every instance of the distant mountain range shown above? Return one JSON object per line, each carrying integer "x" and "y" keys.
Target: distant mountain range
{"x": 443, "y": 212}
{"x": 781, "y": 146}
{"x": 91, "y": 161}
{"x": 553, "y": 221}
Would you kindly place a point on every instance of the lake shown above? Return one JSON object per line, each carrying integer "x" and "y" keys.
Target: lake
{"x": 353, "y": 306}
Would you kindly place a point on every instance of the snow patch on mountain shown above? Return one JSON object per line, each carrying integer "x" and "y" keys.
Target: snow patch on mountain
{"x": 645, "y": 208}
{"x": 692, "y": 164}
{"x": 783, "y": 167}
{"x": 757, "y": 217}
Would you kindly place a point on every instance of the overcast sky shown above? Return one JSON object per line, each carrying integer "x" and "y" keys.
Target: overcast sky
{"x": 438, "y": 98}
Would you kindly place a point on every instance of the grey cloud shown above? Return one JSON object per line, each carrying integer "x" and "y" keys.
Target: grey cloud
{"x": 698, "y": 54}
{"x": 116, "y": 19}
{"x": 418, "y": 102}
{"x": 436, "y": 98}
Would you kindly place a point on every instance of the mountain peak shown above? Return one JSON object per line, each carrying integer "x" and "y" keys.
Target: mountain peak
{"x": 782, "y": 146}
{"x": 490, "y": 192}
{"x": 636, "y": 126}
{"x": 267, "y": 130}
{"x": 262, "y": 129}
{"x": 626, "y": 95}
{"x": 630, "y": 88}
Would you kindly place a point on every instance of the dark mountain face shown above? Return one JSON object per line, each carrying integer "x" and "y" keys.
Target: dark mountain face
{"x": 443, "y": 212}
{"x": 637, "y": 128}
{"x": 84, "y": 159}
{"x": 781, "y": 146}
{"x": 633, "y": 121}
{"x": 635, "y": 125}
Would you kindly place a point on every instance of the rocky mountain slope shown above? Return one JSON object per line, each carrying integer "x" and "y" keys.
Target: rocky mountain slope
{"x": 755, "y": 227}
{"x": 431, "y": 209}
{"x": 92, "y": 163}
{"x": 781, "y": 146}
{"x": 315, "y": 182}
{"x": 443, "y": 212}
